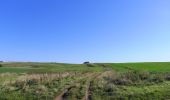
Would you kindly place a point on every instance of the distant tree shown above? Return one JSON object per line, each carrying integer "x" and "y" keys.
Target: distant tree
{"x": 0, "y": 65}
{"x": 87, "y": 62}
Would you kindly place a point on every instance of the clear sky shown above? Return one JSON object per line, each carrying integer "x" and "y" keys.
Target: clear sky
{"x": 74, "y": 31}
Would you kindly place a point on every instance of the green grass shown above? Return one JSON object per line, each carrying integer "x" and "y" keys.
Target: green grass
{"x": 46, "y": 67}
{"x": 19, "y": 70}
{"x": 110, "y": 81}
{"x": 153, "y": 92}
{"x": 145, "y": 66}
{"x": 28, "y": 67}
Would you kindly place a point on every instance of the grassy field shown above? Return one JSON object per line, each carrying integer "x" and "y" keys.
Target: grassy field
{"x": 146, "y": 66}
{"x": 45, "y": 67}
{"x": 99, "y": 81}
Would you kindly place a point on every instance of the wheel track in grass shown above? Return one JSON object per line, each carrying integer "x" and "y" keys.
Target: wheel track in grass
{"x": 75, "y": 84}
{"x": 88, "y": 85}
{"x": 89, "y": 79}
{"x": 88, "y": 92}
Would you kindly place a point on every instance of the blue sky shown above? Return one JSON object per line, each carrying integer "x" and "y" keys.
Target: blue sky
{"x": 74, "y": 31}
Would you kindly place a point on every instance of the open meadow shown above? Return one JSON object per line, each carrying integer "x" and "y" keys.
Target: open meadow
{"x": 98, "y": 81}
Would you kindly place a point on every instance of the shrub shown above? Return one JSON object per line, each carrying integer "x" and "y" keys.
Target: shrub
{"x": 156, "y": 78}
{"x": 0, "y": 65}
{"x": 87, "y": 62}
{"x": 122, "y": 81}
{"x": 136, "y": 77}
{"x": 167, "y": 77}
